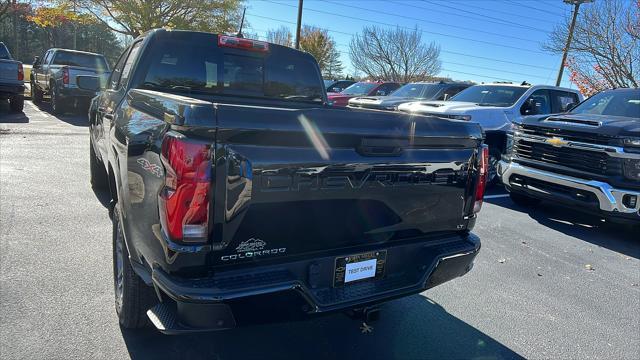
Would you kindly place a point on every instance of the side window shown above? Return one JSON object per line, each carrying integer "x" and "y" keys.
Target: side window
{"x": 47, "y": 57}
{"x": 114, "y": 79}
{"x": 126, "y": 71}
{"x": 539, "y": 103}
{"x": 563, "y": 100}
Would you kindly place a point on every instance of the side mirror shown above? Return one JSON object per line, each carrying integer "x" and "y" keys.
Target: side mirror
{"x": 336, "y": 89}
{"x": 89, "y": 82}
{"x": 530, "y": 107}
{"x": 569, "y": 107}
{"x": 381, "y": 93}
{"x": 36, "y": 61}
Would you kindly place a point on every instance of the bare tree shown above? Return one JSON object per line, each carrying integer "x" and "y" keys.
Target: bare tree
{"x": 281, "y": 36}
{"x": 394, "y": 54}
{"x": 605, "y": 51}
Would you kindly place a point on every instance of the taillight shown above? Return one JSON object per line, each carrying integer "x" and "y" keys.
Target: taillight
{"x": 240, "y": 43}
{"x": 481, "y": 185}
{"x": 20, "y": 73}
{"x": 65, "y": 75}
{"x": 184, "y": 199}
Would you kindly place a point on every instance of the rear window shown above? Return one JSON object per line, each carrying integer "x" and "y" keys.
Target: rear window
{"x": 182, "y": 66}
{"x": 4, "y": 53}
{"x": 81, "y": 60}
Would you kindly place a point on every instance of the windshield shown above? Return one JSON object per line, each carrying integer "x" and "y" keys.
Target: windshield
{"x": 491, "y": 95}
{"x": 361, "y": 88}
{"x": 328, "y": 83}
{"x": 418, "y": 91}
{"x": 4, "y": 53}
{"x": 198, "y": 67}
{"x": 81, "y": 60}
{"x": 612, "y": 103}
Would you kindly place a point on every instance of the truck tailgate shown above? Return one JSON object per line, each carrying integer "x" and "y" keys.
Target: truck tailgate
{"x": 295, "y": 182}
{"x": 9, "y": 71}
{"x": 75, "y": 71}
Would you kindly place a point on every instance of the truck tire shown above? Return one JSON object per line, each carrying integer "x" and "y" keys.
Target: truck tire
{"x": 132, "y": 296}
{"x": 16, "y": 103}
{"x": 494, "y": 157}
{"x": 36, "y": 95}
{"x": 57, "y": 103}
{"x": 97, "y": 173}
{"x": 523, "y": 200}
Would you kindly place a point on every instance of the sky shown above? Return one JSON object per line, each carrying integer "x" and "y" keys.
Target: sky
{"x": 480, "y": 40}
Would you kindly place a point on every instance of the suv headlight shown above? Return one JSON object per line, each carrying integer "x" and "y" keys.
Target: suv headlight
{"x": 632, "y": 169}
{"x": 461, "y": 117}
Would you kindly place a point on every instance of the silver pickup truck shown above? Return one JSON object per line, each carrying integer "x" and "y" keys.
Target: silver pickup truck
{"x": 11, "y": 80}
{"x": 55, "y": 75}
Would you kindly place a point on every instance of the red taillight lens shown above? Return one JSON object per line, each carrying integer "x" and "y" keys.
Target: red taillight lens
{"x": 65, "y": 75}
{"x": 184, "y": 200}
{"x": 481, "y": 185}
{"x": 240, "y": 43}
{"x": 20, "y": 73}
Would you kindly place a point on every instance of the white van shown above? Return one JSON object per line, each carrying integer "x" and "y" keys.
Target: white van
{"x": 495, "y": 106}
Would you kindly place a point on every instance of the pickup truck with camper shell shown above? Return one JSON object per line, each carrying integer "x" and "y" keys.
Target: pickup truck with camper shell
{"x": 54, "y": 74}
{"x": 408, "y": 93}
{"x": 11, "y": 80}
{"x": 587, "y": 159}
{"x": 239, "y": 194}
{"x": 363, "y": 88}
{"x": 495, "y": 107}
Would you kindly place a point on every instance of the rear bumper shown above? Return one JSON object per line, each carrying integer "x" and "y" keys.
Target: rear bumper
{"x": 76, "y": 92}
{"x": 306, "y": 286}
{"x": 585, "y": 195}
{"x": 7, "y": 90}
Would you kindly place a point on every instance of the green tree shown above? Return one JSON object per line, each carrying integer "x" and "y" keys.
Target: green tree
{"x": 136, "y": 17}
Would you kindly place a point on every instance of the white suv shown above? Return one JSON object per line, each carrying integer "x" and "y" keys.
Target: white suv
{"x": 496, "y": 106}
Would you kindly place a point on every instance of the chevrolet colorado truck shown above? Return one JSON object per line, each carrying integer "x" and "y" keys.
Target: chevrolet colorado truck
{"x": 587, "y": 159}
{"x": 495, "y": 107}
{"x": 11, "y": 80}
{"x": 240, "y": 196}
{"x": 55, "y": 75}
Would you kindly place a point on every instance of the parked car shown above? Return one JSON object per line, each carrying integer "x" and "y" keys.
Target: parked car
{"x": 238, "y": 194}
{"x": 363, "y": 88}
{"x": 55, "y": 75}
{"x": 409, "y": 92}
{"x": 495, "y": 107}
{"x": 11, "y": 80}
{"x": 587, "y": 159}
{"x": 337, "y": 85}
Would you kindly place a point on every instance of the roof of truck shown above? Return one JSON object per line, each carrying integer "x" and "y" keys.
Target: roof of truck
{"x": 76, "y": 51}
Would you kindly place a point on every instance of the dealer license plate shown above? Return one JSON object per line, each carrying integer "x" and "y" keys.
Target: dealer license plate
{"x": 359, "y": 267}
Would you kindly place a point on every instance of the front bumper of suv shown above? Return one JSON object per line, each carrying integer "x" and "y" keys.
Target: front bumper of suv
{"x": 227, "y": 299}
{"x": 585, "y": 195}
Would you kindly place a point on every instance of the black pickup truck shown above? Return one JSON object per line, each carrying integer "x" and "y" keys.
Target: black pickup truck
{"x": 587, "y": 159}
{"x": 240, "y": 196}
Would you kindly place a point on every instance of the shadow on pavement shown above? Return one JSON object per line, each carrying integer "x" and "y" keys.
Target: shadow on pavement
{"x": 410, "y": 328}
{"x": 6, "y": 116}
{"x": 593, "y": 229}
{"x": 75, "y": 117}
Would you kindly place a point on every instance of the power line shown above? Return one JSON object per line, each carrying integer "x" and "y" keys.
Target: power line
{"x": 487, "y": 17}
{"x": 409, "y": 28}
{"x": 442, "y": 51}
{"x": 466, "y": 4}
{"x": 425, "y": 21}
{"x": 530, "y": 7}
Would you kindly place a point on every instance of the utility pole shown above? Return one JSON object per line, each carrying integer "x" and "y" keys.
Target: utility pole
{"x": 299, "y": 24}
{"x": 576, "y": 6}
{"x": 75, "y": 28}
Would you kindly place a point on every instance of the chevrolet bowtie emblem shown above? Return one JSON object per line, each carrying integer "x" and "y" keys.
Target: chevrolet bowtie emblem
{"x": 555, "y": 141}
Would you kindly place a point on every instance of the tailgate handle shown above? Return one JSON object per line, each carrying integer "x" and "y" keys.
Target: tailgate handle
{"x": 382, "y": 147}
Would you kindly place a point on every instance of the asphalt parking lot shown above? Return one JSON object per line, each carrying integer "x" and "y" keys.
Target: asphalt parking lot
{"x": 548, "y": 283}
